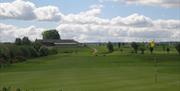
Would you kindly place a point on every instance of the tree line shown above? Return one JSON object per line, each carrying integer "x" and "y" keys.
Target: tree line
{"x": 21, "y": 50}
{"x": 141, "y": 47}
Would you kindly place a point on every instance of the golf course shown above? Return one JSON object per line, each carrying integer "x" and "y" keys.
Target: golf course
{"x": 93, "y": 69}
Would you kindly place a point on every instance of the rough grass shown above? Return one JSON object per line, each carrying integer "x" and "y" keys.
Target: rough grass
{"x": 84, "y": 72}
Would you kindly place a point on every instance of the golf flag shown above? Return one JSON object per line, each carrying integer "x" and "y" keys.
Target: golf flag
{"x": 152, "y": 43}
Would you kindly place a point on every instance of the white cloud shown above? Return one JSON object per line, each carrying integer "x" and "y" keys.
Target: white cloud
{"x": 90, "y": 28}
{"x": 25, "y": 10}
{"x": 162, "y": 3}
{"x": 47, "y": 13}
{"x": 87, "y": 26}
{"x": 133, "y": 20}
{"x": 92, "y": 33}
{"x": 18, "y": 9}
{"x": 8, "y": 33}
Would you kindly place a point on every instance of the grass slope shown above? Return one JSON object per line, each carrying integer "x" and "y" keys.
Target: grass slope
{"x": 83, "y": 72}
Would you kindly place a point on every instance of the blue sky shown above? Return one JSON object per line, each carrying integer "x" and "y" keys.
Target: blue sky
{"x": 110, "y": 10}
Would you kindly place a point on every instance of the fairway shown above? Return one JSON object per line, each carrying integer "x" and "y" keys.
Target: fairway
{"x": 83, "y": 71}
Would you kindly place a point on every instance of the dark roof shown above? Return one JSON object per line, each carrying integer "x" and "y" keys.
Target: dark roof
{"x": 58, "y": 41}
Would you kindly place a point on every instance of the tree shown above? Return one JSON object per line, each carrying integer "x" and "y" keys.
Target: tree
{"x": 164, "y": 47}
{"x": 178, "y": 48}
{"x": 142, "y": 48}
{"x": 26, "y": 41}
{"x": 18, "y": 41}
{"x": 135, "y": 46}
{"x": 151, "y": 46}
{"x": 51, "y": 34}
{"x": 110, "y": 47}
{"x": 168, "y": 50}
{"x": 5, "y": 53}
{"x": 119, "y": 45}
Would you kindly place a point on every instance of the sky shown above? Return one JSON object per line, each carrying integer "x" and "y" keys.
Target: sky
{"x": 91, "y": 20}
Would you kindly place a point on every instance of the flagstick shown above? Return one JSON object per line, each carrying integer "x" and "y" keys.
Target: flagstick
{"x": 156, "y": 71}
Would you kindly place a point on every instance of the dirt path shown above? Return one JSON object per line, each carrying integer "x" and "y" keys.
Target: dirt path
{"x": 94, "y": 51}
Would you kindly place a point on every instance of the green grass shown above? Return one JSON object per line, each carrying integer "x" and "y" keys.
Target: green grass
{"x": 82, "y": 71}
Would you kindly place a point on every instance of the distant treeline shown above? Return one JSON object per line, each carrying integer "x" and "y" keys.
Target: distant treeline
{"x": 21, "y": 50}
{"x": 142, "y": 46}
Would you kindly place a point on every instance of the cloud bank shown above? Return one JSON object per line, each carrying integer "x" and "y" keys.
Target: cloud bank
{"x": 25, "y": 10}
{"x": 8, "y": 33}
{"x": 162, "y": 3}
{"x": 87, "y": 26}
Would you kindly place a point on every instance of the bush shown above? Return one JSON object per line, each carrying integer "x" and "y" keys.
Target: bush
{"x": 12, "y": 53}
{"x": 6, "y": 89}
{"x": 53, "y": 51}
{"x": 20, "y": 58}
{"x": 37, "y": 45}
{"x": 4, "y": 53}
{"x": 33, "y": 52}
{"x": 18, "y": 89}
{"x": 178, "y": 48}
{"x": 43, "y": 51}
{"x": 25, "y": 51}
{"x": 168, "y": 50}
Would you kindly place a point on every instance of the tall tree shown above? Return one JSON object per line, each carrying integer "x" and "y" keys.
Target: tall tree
{"x": 119, "y": 45}
{"x": 51, "y": 34}
{"x": 18, "y": 41}
{"x": 142, "y": 48}
{"x": 110, "y": 47}
{"x": 26, "y": 41}
{"x": 135, "y": 46}
{"x": 151, "y": 46}
{"x": 178, "y": 48}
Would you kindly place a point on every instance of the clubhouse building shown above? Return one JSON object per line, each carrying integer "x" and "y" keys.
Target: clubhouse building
{"x": 60, "y": 42}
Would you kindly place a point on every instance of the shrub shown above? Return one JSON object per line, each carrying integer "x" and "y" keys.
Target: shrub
{"x": 37, "y": 45}
{"x": 53, "y": 51}
{"x": 43, "y": 51}
{"x": 168, "y": 50}
{"x": 18, "y": 89}
{"x": 33, "y": 52}
{"x": 20, "y": 58}
{"x": 25, "y": 51}
{"x": 121, "y": 50}
{"x": 178, "y": 48}
{"x": 4, "y": 53}
{"x": 4, "y": 89}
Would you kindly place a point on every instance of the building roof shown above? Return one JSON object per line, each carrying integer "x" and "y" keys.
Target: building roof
{"x": 59, "y": 41}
